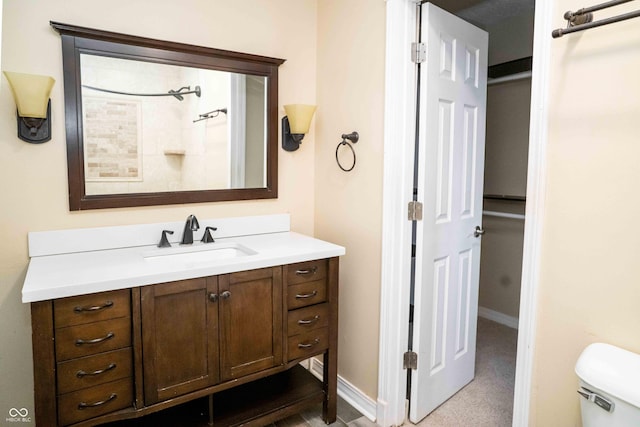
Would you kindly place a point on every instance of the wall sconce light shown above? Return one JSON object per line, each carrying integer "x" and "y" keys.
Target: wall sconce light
{"x": 31, "y": 93}
{"x": 296, "y": 124}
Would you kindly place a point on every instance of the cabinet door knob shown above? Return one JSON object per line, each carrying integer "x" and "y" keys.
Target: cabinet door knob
{"x": 213, "y": 297}
{"x": 225, "y": 295}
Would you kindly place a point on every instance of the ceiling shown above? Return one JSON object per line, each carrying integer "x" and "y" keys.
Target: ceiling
{"x": 485, "y": 13}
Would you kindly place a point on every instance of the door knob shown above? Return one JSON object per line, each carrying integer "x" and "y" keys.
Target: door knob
{"x": 225, "y": 295}
{"x": 213, "y": 297}
{"x": 479, "y": 231}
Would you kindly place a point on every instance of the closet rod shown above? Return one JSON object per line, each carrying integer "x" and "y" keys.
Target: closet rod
{"x": 584, "y": 18}
{"x": 512, "y": 77}
{"x": 503, "y": 214}
{"x": 505, "y": 197}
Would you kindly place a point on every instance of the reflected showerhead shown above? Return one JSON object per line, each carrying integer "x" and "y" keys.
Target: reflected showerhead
{"x": 178, "y": 97}
{"x": 176, "y": 93}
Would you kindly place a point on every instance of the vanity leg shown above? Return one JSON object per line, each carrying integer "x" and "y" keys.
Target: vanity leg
{"x": 211, "y": 409}
{"x": 44, "y": 363}
{"x": 330, "y": 368}
{"x": 330, "y": 404}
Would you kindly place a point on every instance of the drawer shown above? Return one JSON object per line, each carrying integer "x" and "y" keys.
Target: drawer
{"x": 91, "y": 308}
{"x": 92, "y": 338}
{"x": 94, "y": 370}
{"x": 308, "y": 318}
{"x": 306, "y": 271}
{"x": 91, "y": 402}
{"x": 305, "y": 294}
{"x": 308, "y": 344}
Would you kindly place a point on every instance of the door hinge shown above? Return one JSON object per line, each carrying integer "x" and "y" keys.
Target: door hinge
{"x": 415, "y": 211}
{"x": 410, "y": 360}
{"x": 418, "y": 52}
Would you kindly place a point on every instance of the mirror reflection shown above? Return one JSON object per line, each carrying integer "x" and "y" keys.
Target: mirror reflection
{"x": 153, "y": 127}
{"x": 154, "y": 122}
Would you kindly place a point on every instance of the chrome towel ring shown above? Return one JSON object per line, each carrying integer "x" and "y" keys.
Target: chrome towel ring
{"x": 353, "y": 137}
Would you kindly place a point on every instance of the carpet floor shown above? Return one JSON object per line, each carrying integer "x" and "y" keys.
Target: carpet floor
{"x": 487, "y": 401}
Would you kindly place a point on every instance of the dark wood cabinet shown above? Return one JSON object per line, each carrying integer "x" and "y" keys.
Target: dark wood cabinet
{"x": 92, "y": 349}
{"x": 179, "y": 337}
{"x": 250, "y": 322}
{"x": 155, "y": 352}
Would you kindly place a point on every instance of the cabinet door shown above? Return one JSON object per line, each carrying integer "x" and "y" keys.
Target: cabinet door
{"x": 250, "y": 321}
{"x": 179, "y": 337}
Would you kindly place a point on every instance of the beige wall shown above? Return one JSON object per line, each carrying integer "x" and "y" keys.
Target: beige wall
{"x": 33, "y": 182}
{"x": 507, "y": 143}
{"x": 348, "y": 207}
{"x": 589, "y": 285}
{"x": 507, "y": 140}
{"x": 501, "y": 260}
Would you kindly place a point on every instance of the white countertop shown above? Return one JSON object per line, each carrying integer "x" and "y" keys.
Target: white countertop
{"x": 76, "y": 273}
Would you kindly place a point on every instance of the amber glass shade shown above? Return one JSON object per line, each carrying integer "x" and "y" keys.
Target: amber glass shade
{"x": 31, "y": 93}
{"x": 299, "y": 117}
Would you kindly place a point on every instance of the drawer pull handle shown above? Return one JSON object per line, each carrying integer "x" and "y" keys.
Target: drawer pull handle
{"x": 307, "y": 271}
{"x": 96, "y": 340}
{"x": 309, "y": 345}
{"x": 107, "y": 304}
{"x": 304, "y": 296}
{"x": 84, "y": 405}
{"x": 308, "y": 321}
{"x": 81, "y": 373}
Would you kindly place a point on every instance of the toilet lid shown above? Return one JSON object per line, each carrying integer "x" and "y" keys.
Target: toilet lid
{"x": 611, "y": 369}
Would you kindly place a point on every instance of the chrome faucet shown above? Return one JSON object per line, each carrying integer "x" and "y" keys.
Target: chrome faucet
{"x": 190, "y": 226}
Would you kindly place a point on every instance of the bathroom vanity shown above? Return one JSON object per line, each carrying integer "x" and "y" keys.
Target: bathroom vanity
{"x": 211, "y": 334}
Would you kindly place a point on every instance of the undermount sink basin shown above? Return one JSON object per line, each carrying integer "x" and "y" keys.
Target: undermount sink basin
{"x": 198, "y": 253}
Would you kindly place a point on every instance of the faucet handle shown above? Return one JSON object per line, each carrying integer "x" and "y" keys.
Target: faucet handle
{"x": 164, "y": 242}
{"x": 207, "y": 237}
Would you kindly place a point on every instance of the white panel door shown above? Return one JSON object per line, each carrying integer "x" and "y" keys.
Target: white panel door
{"x": 453, "y": 87}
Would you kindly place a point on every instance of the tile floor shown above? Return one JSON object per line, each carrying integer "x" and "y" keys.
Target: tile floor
{"x": 312, "y": 417}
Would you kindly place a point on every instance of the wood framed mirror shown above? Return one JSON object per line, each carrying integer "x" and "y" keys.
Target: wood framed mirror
{"x": 152, "y": 122}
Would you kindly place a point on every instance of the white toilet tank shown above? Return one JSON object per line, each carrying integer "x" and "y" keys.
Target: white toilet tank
{"x": 609, "y": 379}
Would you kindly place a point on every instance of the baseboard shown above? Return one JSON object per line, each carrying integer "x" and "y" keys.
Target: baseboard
{"x": 351, "y": 394}
{"x": 498, "y": 317}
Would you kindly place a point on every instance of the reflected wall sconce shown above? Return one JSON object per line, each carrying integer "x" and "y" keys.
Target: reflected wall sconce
{"x": 31, "y": 94}
{"x": 296, "y": 124}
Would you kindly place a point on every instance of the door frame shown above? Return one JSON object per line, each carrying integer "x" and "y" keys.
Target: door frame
{"x": 399, "y": 137}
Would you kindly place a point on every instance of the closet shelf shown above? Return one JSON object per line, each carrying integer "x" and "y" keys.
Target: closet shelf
{"x": 503, "y": 214}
